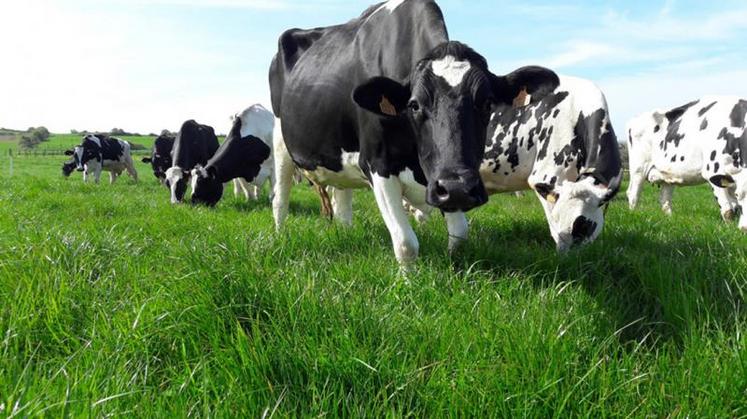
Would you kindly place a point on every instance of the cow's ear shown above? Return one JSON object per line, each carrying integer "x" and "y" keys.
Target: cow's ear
{"x": 723, "y": 181}
{"x": 525, "y": 86}
{"x": 382, "y": 96}
{"x": 69, "y": 152}
{"x": 547, "y": 192}
{"x": 147, "y": 160}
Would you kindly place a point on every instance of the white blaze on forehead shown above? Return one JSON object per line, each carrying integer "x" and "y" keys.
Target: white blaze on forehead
{"x": 451, "y": 70}
{"x": 391, "y": 5}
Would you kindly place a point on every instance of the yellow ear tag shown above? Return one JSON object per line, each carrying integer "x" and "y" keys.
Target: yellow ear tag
{"x": 552, "y": 198}
{"x": 386, "y": 107}
{"x": 523, "y": 98}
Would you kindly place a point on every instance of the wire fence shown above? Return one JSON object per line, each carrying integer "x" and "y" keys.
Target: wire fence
{"x": 42, "y": 152}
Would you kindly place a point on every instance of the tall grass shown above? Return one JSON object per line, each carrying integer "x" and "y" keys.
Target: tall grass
{"x": 114, "y": 302}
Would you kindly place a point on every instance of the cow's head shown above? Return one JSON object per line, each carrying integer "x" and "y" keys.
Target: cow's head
{"x": 77, "y": 154}
{"x": 447, "y": 102}
{"x": 68, "y": 167}
{"x": 240, "y": 156}
{"x": 736, "y": 183}
{"x": 160, "y": 159}
{"x": 177, "y": 180}
{"x": 576, "y": 209}
{"x": 88, "y": 154}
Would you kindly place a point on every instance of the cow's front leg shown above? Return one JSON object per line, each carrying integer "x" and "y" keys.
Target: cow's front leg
{"x": 727, "y": 202}
{"x": 388, "y": 192}
{"x": 667, "y": 191}
{"x": 342, "y": 206}
{"x": 97, "y": 176}
{"x": 112, "y": 178}
{"x": 458, "y": 227}
{"x": 283, "y": 173}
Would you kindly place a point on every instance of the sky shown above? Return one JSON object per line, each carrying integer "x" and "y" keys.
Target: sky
{"x": 148, "y": 65}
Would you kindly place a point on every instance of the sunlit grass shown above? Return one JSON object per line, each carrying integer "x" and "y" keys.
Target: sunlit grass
{"x": 114, "y": 302}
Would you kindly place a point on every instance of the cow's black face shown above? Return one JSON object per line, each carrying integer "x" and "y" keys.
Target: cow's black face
{"x": 160, "y": 164}
{"x": 206, "y": 188}
{"x": 448, "y": 104}
{"x": 160, "y": 159}
{"x": 68, "y": 168}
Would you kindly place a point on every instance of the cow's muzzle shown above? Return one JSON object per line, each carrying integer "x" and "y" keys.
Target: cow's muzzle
{"x": 461, "y": 192}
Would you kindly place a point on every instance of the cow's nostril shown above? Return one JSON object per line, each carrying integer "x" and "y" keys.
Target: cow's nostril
{"x": 441, "y": 191}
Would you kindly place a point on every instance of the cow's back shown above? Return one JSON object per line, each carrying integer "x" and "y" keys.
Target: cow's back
{"x": 557, "y": 139}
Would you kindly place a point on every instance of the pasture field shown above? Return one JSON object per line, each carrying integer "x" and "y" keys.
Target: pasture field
{"x": 115, "y": 302}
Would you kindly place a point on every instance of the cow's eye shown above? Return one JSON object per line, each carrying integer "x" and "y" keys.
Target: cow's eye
{"x": 414, "y": 106}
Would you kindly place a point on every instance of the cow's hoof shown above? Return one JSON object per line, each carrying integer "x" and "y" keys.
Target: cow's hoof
{"x": 729, "y": 216}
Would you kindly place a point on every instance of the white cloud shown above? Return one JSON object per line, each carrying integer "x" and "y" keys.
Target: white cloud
{"x": 579, "y": 52}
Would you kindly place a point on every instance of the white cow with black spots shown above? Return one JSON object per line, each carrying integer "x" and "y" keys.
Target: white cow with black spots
{"x": 702, "y": 141}
{"x": 563, "y": 147}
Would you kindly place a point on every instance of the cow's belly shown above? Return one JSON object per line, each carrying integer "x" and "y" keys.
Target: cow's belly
{"x": 113, "y": 166}
{"x": 679, "y": 172}
{"x": 499, "y": 182}
{"x": 350, "y": 177}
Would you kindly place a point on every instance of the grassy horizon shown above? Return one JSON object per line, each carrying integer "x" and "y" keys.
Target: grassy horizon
{"x": 117, "y": 303}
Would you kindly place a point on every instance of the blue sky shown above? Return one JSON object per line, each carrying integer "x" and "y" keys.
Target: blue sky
{"x": 145, "y": 65}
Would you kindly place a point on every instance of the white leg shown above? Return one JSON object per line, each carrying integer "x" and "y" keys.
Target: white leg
{"x": 85, "y": 176}
{"x": 97, "y": 176}
{"x": 236, "y": 187}
{"x": 112, "y": 178}
{"x": 283, "y": 177}
{"x": 342, "y": 206}
{"x": 634, "y": 189}
{"x": 388, "y": 192}
{"x": 727, "y": 202}
{"x": 667, "y": 191}
{"x": 131, "y": 170}
{"x": 458, "y": 227}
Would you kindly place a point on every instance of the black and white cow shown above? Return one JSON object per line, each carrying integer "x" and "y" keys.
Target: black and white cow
{"x": 195, "y": 144}
{"x": 387, "y": 101}
{"x": 246, "y": 154}
{"x": 160, "y": 158}
{"x": 564, "y": 148}
{"x": 68, "y": 167}
{"x": 98, "y": 153}
{"x": 702, "y": 141}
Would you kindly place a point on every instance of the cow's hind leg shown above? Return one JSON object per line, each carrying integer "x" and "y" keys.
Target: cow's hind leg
{"x": 284, "y": 169}
{"x": 634, "y": 189}
{"x": 667, "y": 191}
{"x": 131, "y": 170}
{"x": 113, "y": 177}
{"x": 388, "y": 192}
{"x": 342, "y": 206}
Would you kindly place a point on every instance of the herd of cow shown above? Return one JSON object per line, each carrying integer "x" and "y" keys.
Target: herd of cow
{"x": 387, "y": 101}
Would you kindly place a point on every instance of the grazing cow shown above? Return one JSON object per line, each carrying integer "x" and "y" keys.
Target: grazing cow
{"x": 564, "y": 148}
{"x": 98, "y": 153}
{"x": 702, "y": 141}
{"x": 160, "y": 158}
{"x": 195, "y": 145}
{"x": 398, "y": 108}
{"x": 68, "y": 167}
{"x": 245, "y": 154}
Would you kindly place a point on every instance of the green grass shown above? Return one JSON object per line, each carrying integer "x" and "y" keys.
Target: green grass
{"x": 117, "y": 303}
